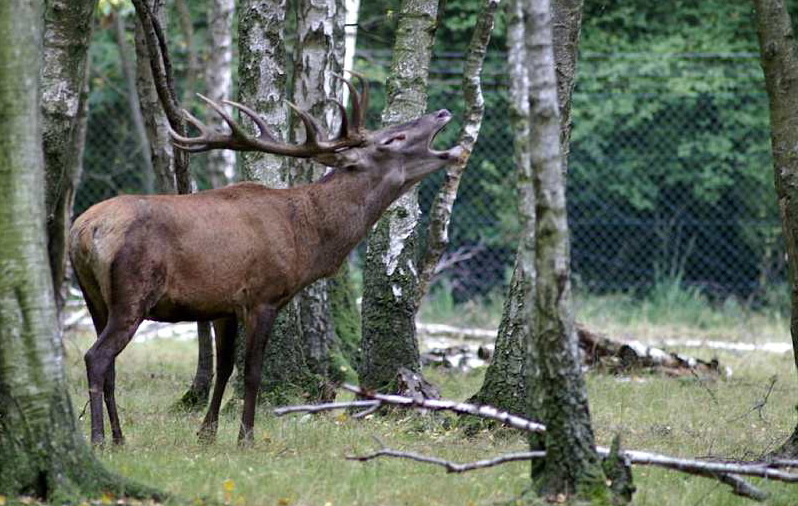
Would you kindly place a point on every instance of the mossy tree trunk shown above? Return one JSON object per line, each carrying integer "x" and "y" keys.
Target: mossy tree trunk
{"x": 779, "y": 58}
{"x": 390, "y": 282}
{"x": 262, "y": 78}
{"x": 556, "y": 388}
{"x": 67, "y": 33}
{"x": 43, "y": 453}
{"x": 504, "y": 385}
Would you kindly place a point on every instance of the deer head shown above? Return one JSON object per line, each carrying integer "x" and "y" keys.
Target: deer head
{"x": 401, "y": 155}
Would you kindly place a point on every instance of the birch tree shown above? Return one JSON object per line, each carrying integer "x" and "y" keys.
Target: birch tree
{"x": 318, "y": 59}
{"x": 504, "y": 385}
{"x": 43, "y": 453}
{"x": 67, "y": 32}
{"x": 556, "y": 388}
{"x": 219, "y": 82}
{"x": 779, "y": 59}
{"x": 390, "y": 277}
{"x": 262, "y": 73}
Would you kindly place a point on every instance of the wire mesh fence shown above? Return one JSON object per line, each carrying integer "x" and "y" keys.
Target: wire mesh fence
{"x": 670, "y": 174}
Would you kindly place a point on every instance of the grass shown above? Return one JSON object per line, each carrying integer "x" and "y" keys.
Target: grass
{"x": 299, "y": 460}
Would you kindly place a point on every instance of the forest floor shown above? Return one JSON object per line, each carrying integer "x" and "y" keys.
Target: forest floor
{"x": 300, "y": 459}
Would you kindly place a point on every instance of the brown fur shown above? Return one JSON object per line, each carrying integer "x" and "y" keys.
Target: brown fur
{"x": 236, "y": 254}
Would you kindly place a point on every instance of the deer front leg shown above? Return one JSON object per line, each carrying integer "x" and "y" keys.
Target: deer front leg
{"x": 225, "y": 331}
{"x": 258, "y": 329}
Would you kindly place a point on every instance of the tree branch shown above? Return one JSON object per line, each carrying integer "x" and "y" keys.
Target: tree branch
{"x": 441, "y": 212}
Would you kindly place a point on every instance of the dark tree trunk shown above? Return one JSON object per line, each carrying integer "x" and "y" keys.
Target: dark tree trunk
{"x": 155, "y": 121}
{"x": 557, "y": 393}
{"x": 780, "y": 64}
{"x": 43, "y": 453}
{"x": 390, "y": 276}
{"x": 129, "y": 71}
{"x": 504, "y": 385}
{"x": 67, "y": 32}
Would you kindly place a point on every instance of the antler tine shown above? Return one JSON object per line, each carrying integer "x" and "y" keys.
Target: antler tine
{"x": 357, "y": 114}
{"x": 313, "y": 131}
{"x": 255, "y": 117}
{"x": 234, "y": 127}
{"x": 364, "y": 95}
{"x": 343, "y": 132}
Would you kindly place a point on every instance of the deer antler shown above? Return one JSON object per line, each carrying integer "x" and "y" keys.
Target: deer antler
{"x": 352, "y": 132}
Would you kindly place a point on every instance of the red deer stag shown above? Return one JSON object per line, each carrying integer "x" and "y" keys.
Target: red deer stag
{"x": 240, "y": 253}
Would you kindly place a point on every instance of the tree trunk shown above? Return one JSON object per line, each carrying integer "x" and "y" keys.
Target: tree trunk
{"x": 780, "y": 64}
{"x": 262, "y": 84}
{"x": 194, "y": 69}
{"x": 221, "y": 167}
{"x": 504, "y": 385}
{"x": 129, "y": 72}
{"x": 219, "y": 83}
{"x": 557, "y": 393}
{"x": 161, "y": 152}
{"x": 390, "y": 277}
{"x": 318, "y": 57}
{"x": 42, "y": 451}
{"x": 67, "y": 32}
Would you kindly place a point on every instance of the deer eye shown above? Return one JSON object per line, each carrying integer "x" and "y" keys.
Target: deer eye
{"x": 399, "y": 137}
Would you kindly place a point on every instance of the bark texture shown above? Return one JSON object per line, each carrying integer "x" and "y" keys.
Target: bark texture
{"x": 780, "y": 63}
{"x": 566, "y": 30}
{"x": 67, "y": 32}
{"x": 219, "y": 83}
{"x": 504, "y": 385}
{"x": 390, "y": 276}
{"x": 42, "y": 451}
{"x": 155, "y": 122}
{"x": 262, "y": 86}
{"x": 441, "y": 212}
{"x": 503, "y": 375}
{"x": 318, "y": 57}
{"x": 556, "y": 387}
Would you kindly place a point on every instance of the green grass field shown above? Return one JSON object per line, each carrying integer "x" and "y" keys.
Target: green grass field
{"x": 299, "y": 460}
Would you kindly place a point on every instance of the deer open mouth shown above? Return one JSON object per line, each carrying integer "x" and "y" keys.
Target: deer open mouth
{"x": 444, "y": 116}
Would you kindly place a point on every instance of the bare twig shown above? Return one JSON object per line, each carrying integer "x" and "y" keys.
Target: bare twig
{"x": 457, "y": 407}
{"x": 740, "y": 486}
{"x": 451, "y": 467}
{"x": 315, "y": 408}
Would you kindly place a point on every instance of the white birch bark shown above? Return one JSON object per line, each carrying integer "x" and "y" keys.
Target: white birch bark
{"x": 219, "y": 82}
{"x": 555, "y": 381}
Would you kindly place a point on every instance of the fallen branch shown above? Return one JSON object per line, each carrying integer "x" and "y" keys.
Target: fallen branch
{"x": 726, "y": 472}
{"x": 740, "y": 486}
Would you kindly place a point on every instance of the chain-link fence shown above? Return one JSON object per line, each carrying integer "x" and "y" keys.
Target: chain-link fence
{"x": 670, "y": 174}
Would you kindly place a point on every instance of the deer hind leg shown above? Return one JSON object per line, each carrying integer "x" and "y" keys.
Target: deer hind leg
{"x": 99, "y": 363}
{"x": 110, "y": 404}
{"x": 259, "y": 327}
{"x": 225, "y": 330}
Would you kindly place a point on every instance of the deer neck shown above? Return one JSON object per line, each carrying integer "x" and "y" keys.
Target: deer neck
{"x": 344, "y": 209}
